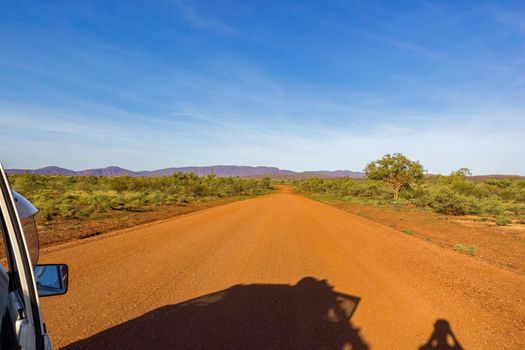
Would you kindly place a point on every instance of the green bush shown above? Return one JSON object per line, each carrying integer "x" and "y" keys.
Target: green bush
{"x": 421, "y": 197}
{"x": 100, "y": 202}
{"x": 448, "y": 202}
{"x": 468, "y": 250}
{"x": 503, "y": 221}
{"x": 516, "y": 209}
{"x": 408, "y": 232}
{"x": 493, "y": 206}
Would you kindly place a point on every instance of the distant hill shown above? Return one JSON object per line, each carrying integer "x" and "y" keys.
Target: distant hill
{"x": 494, "y": 177}
{"x": 219, "y": 170}
{"x": 109, "y": 171}
{"x": 48, "y": 170}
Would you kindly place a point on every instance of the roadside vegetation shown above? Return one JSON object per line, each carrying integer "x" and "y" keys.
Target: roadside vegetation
{"x": 445, "y": 210}
{"x": 407, "y": 231}
{"x": 399, "y": 181}
{"x": 468, "y": 250}
{"x": 87, "y": 197}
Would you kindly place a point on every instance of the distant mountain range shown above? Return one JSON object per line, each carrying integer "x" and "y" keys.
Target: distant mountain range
{"x": 219, "y": 170}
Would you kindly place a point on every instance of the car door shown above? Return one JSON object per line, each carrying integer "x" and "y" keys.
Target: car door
{"x": 23, "y": 313}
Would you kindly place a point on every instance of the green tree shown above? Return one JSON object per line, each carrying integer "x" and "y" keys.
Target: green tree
{"x": 396, "y": 171}
{"x": 266, "y": 182}
{"x": 462, "y": 173}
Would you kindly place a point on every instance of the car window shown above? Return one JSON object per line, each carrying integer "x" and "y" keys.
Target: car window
{"x": 3, "y": 253}
{"x": 31, "y": 237}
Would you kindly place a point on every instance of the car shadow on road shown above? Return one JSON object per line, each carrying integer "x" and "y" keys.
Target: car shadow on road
{"x": 308, "y": 315}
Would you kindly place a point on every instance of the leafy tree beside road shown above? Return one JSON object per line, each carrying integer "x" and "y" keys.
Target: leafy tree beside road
{"x": 396, "y": 171}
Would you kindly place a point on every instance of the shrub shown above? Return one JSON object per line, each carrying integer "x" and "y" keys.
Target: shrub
{"x": 503, "y": 221}
{"x": 100, "y": 203}
{"x": 421, "y": 197}
{"x": 463, "y": 186}
{"x": 423, "y": 202}
{"x": 483, "y": 219}
{"x": 517, "y": 209}
{"x": 134, "y": 201}
{"x": 120, "y": 183}
{"x": 449, "y": 202}
{"x": 492, "y": 206}
{"x": 468, "y": 250}
{"x": 154, "y": 198}
{"x": 266, "y": 183}
{"x": 408, "y": 232}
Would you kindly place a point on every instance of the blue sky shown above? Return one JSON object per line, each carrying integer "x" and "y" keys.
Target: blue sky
{"x": 301, "y": 85}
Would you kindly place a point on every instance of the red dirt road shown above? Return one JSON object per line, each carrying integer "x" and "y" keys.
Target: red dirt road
{"x": 279, "y": 271}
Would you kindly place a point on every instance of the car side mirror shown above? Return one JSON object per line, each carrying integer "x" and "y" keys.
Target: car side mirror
{"x": 51, "y": 279}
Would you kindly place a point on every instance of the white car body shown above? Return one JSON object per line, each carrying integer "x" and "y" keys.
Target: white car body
{"x": 21, "y": 321}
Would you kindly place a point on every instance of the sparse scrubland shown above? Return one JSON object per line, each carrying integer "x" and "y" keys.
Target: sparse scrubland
{"x": 479, "y": 216}
{"x": 79, "y": 206}
{"x": 456, "y": 194}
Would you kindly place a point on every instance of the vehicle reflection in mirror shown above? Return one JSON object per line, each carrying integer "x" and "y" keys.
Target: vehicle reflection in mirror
{"x": 51, "y": 279}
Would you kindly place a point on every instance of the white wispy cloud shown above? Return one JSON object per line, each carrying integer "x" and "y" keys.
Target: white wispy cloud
{"x": 200, "y": 20}
{"x": 90, "y": 111}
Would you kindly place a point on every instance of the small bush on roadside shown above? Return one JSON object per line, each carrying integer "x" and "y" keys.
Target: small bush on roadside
{"x": 448, "y": 202}
{"x": 100, "y": 202}
{"x": 493, "y": 206}
{"x": 516, "y": 209}
{"x": 484, "y": 219}
{"x": 421, "y": 197}
{"x": 503, "y": 221}
{"x": 468, "y": 250}
{"x": 408, "y": 232}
